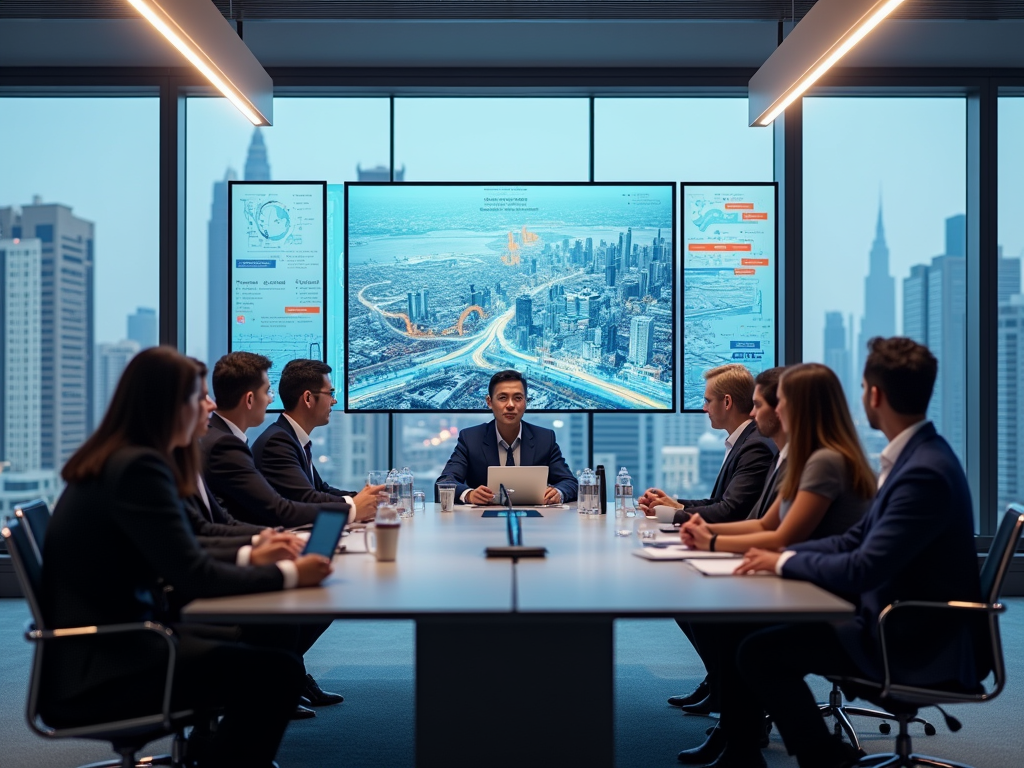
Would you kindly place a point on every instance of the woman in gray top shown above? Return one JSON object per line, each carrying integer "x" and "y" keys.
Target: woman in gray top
{"x": 828, "y": 484}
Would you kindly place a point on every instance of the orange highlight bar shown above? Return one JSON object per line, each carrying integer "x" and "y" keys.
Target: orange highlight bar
{"x": 754, "y": 262}
{"x": 744, "y": 271}
{"x": 739, "y": 206}
{"x": 755, "y": 216}
{"x": 727, "y": 247}
{"x": 302, "y": 310}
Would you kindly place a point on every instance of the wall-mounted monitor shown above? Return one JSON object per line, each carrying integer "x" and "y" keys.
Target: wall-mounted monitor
{"x": 730, "y": 279}
{"x": 571, "y": 284}
{"x": 277, "y": 271}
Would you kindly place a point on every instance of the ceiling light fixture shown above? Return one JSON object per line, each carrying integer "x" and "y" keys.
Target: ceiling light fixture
{"x": 823, "y": 36}
{"x": 204, "y": 37}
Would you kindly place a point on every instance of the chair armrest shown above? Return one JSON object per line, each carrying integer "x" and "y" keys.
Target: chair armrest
{"x": 990, "y": 609}
{"x": 47, "y": 635}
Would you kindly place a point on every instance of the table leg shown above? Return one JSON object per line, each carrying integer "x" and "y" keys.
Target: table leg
{"x": 513, "y": 690}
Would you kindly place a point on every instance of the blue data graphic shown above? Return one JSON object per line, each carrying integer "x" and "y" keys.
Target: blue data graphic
{"x": 729, "y": 280}
{"x": 571, "y": 284}
{"x": 277, "y": 242}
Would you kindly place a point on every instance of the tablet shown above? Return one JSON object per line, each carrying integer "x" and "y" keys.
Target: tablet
{"x": 326, "y": 533}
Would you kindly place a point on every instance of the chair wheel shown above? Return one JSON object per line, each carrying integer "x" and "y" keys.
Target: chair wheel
{"x": 885, "y": 728}
{"x": 929, "y": 729}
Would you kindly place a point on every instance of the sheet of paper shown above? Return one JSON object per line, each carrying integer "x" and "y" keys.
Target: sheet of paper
{"x": 721, "y": 567}
{"x": 679, "y": 552}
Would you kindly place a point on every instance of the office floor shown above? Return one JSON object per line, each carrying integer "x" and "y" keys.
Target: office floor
{"x": 371, "y": 663}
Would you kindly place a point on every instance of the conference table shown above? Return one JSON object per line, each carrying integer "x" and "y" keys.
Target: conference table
{"x": 515, "y": 658}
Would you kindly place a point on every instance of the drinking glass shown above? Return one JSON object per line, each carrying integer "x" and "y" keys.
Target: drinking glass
{"x": 376, "y": 476}
{"x": 419, "y": 503}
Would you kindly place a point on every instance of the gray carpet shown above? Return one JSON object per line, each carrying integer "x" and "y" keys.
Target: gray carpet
{"x": 371, "y": 663}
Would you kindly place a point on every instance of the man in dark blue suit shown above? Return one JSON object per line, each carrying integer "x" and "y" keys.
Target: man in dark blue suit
{"x": 507, "y": 440}
{"x": 916, "y": 543}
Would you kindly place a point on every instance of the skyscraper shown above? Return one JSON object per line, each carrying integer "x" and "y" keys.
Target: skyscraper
{"x": 627, "y": 254}
{"x": 1010, "y": 394}
{"x": 142, "y": 328}
{"x": 879, "y": 317}
{"x": 915, "y": 304}
{"x": 524, "y": 312}
{"x": 837, "y": 356}
{"x": 66, "y": 323}
{"x": 21, "y": 337}
{"x": 641, "y": 340}
{"x": 257, "y": 166}
{"x": 1009, "y": 277}
{"x": 111, "y": 360}
{"x": 217, "y": 271}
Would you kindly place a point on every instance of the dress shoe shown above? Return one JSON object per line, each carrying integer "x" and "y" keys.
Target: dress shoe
{"x": 739, "y": 757}
{"x": 302, "y": 713}
{"x": 699, "y": 694}
{"x": 317, "y": 696}
{"x": 705, "y": 706}
{"x": 706, "y": 752}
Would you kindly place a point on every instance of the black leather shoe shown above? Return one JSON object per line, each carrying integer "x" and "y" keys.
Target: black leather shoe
{"x": 699, "y": 694}
{"x": 302, "y": 713}
{"x": 739, "y": 757}
{"x": 317, "y": 696}
{"x": 705, "y": 706}
{"x": 709, "y": 750}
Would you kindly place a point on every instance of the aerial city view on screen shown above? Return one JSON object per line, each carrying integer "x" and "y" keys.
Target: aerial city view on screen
{"x": 570, "y": 284}
{"x": 728, "y": 281}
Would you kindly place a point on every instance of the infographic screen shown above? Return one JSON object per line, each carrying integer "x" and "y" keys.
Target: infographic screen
{"x": 729, "y": 249}
{"x": 571, "y": 284}
{"x": 277, "y": 271}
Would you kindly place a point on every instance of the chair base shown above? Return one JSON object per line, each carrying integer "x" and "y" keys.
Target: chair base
{"x": 142, "y": 762}
{"x": 841, "y": 712}
{"x": 893, "y": 760}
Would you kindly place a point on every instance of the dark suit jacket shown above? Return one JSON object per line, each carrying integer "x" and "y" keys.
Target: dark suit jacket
{"x": 282, "y": 460}
{"x": 771, "y": 488}
{"x": 915, "y": 543}
{"x": 112, "y": 544}
{"x": 244, "y": 493}
{"x": 225, "y": 542}
{"x": 477, "y": 449}
{"x": 740, "y": 480}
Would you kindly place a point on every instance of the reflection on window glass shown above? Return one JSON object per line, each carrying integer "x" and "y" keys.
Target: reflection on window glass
{"x": 885, "y": 241}
{"x": 512, "y": 139}
{"x": 672, "y": 139}
{"x": 312, "y": 139}
{"x": 1010, "y": 370}
{"x": 79, "y": 271}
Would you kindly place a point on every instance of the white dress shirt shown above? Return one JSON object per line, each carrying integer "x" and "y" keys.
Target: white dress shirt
{"x": 730, "y": 441}
{"x": 235, "y": 430}
{"x": 892, "y": 451}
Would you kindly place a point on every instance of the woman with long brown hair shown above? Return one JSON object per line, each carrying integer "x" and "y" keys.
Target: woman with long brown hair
{"x": 828, "y": 483}
{"x": 117, "y": 538}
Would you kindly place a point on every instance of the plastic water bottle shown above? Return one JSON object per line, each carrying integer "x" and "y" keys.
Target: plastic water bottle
{"x": 405, "y": 479}
{"x": 623, "y": 503}
{"x": 391, "y": 487}
{"x": 588, "y": 493}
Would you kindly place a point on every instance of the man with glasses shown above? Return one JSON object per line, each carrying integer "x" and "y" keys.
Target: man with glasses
{"x": 507, "y": 440}
{"x": 283, "y": 453}
{"x": 242, "y": 390}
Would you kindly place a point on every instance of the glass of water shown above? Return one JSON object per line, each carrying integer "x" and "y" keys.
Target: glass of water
{"x": 419, "y": 503}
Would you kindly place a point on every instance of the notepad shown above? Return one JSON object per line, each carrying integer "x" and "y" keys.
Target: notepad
{"x": 679, "y": 552}
{"x": 722, "y": 567}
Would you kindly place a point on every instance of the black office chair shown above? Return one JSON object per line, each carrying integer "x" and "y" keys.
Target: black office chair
{"x": 903, "y": 701}
{"x": 35, "y": 516}
{"x": 126, "y": 736}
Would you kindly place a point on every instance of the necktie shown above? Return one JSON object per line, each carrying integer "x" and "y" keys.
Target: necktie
{"x": 309, "y": 458}
{"x": 510, "y": 458}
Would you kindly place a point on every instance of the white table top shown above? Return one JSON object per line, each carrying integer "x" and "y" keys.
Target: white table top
{"x": 441, "y": 570}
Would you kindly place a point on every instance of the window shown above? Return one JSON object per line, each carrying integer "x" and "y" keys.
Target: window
{"x": 312, "y": 139}
{"x": 79, "y": 258}
{"x": 885, "y": 242}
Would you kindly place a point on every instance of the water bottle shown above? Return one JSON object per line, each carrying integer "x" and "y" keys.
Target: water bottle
{"x": 588, "y": 493}
{"x": 391, "y": 487}
{"x": 623, "y": 503}
{"x": 405, "y": 492}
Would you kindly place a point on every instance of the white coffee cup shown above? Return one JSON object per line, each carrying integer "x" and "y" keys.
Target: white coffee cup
{"x": 382, "y": 541}
{"x": 665, "y": 513}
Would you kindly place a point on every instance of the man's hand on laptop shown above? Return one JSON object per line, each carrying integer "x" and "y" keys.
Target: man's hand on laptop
{"x": 480, "y": 495}
{"x": 552, "y": 495}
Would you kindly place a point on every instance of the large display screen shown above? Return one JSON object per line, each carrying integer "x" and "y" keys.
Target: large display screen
{"x": 277, "y": 271}
{"x": 571, "y": 284}
{"x": 730, "y": 272}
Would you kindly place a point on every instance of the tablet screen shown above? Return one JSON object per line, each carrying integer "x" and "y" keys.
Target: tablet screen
{"x": 326, "y": 533}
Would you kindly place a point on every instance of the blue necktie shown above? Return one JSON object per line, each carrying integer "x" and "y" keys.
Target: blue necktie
{"x": 510, "y": 458}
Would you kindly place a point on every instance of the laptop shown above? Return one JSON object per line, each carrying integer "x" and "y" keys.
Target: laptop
{"x": 524, "y": 485}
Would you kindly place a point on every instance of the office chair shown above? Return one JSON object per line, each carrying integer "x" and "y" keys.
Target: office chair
{"x": 35, "y": 516}
{"x": 835, "y": 707}
{"x": 905, "y": 700}
{"x": 126, "y": 736}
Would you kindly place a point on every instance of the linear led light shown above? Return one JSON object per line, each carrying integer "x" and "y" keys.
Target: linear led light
{"x": 826, "y": 34}
{"x": 204, "y": 37}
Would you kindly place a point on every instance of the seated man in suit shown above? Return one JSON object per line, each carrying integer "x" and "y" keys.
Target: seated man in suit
{"x": 504, "y": 441}
{"x": 242, "y": 391}
{"x": 915, "y": 543}
{"x": 728, "y": 401}
{"x": 283, "y": 453}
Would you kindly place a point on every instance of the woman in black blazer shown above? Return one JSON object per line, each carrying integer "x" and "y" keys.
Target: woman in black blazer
{"x": 119, "y": 536}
